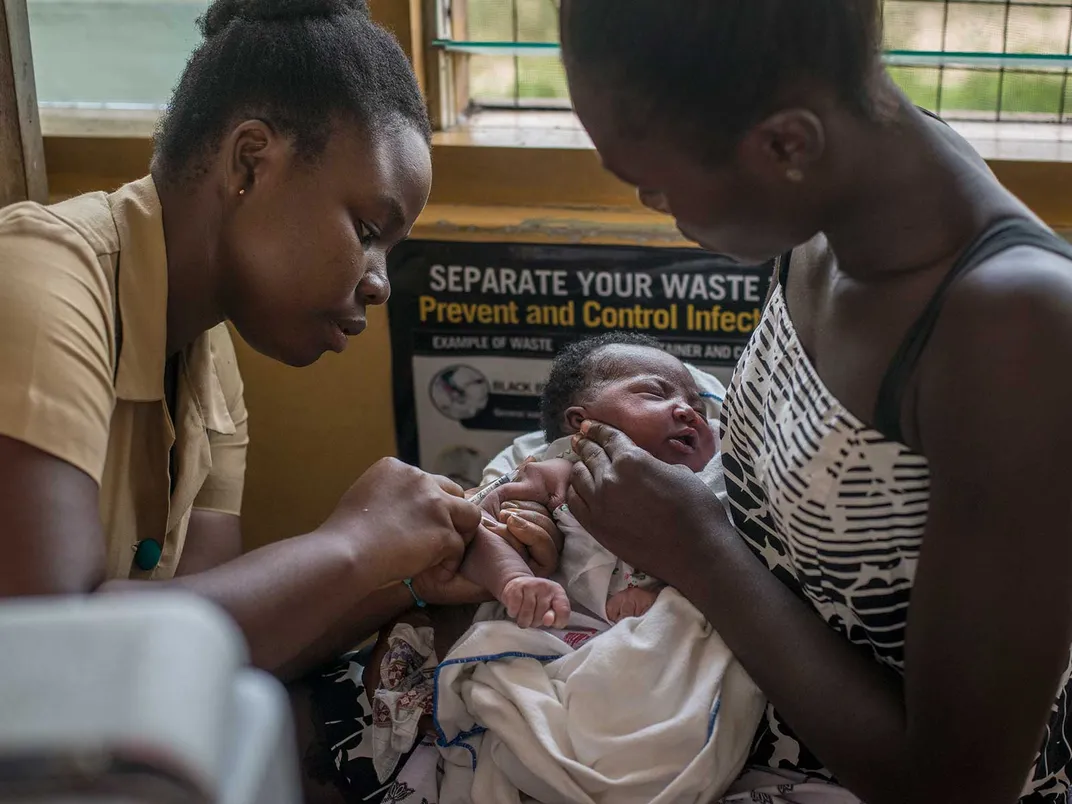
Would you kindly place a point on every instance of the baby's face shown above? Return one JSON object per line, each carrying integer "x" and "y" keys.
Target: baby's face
{"x": 652, "y": 398}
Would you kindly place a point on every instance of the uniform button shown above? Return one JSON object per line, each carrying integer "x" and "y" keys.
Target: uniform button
{"x": 147, "y": 555}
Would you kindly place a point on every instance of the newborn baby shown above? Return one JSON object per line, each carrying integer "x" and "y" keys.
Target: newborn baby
{"x": 624, "y": 380}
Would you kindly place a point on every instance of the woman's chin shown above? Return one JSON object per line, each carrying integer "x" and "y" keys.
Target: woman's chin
{"x": 293, "y": 355}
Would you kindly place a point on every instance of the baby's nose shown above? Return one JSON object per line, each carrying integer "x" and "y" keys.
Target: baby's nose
{"x": 684, "y": 413}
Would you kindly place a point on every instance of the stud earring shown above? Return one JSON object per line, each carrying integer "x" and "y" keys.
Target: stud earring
{"x": 795, "y": 175}
{"x": 242, "y": 191}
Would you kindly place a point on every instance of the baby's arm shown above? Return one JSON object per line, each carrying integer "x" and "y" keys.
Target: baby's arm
{"x": 495, "y": 565}
{"x": 491, "y": 562}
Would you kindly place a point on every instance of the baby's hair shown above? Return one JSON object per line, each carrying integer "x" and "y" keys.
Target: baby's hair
{"x": 301, "y": 66}
{"x": 707, "y": 70}
{"x": 574, "y": 370}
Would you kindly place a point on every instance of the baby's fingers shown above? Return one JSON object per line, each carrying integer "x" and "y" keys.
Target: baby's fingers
{"x": 555, "y": 606}
{"x": 526, "y": 615}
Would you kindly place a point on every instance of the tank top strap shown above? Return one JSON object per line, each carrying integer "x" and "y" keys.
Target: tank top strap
{"x": 1000, "y": 236}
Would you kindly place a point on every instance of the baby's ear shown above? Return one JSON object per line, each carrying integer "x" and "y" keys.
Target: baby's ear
{"x": 575, "y": 416}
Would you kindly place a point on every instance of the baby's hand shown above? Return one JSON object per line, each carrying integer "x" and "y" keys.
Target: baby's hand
{"x": 536, "y": 602}
{"x": 632, "y": 602}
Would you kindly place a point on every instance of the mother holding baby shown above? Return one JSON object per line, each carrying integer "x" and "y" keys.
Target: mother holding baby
{"x": 893, "y": 575}
{"x": 889, "y": 575}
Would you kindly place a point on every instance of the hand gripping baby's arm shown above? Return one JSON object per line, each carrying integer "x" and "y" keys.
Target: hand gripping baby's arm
{"x": 544, "y": 482}
{"x": 495, "y": 565}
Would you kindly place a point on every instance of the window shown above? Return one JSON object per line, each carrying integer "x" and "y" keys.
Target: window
{"x": 509, "y": 49}
{"x": 1011, "y": 63}
{"x": 110, "y": 53}
{"x": 982, "y": 60}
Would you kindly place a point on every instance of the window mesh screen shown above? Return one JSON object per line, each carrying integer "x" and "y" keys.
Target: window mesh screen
{"x": 509, "y": 80}
{"x": 1030, "y": 84}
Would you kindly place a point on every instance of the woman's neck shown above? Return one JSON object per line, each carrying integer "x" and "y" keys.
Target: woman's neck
{"x": 914, "y": 198}
{"x": 194, "y": 298}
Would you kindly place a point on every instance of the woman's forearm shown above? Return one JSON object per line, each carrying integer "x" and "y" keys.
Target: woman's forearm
{"x": 844, "y": 706}
{"x": 362, "y": 621}
{"x": 295, "y": 600}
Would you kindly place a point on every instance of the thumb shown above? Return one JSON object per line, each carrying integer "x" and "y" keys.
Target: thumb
{"x": 464, "y": 516}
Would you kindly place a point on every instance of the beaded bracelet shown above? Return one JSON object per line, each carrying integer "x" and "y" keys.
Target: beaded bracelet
{"x": 417, "y": 598}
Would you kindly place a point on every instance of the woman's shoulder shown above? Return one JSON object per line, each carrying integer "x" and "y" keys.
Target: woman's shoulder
{"x": 1024, "y": 284}
{"x": 58, "y": 250}
{"x": 57, "y": 246}
{"x": 83, "y": 222}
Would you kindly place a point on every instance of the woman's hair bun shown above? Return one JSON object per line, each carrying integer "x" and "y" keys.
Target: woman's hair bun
{"x": 223, "y": 12}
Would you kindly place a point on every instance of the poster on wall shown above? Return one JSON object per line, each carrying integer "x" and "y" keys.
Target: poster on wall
{"x": 474, "y": 327}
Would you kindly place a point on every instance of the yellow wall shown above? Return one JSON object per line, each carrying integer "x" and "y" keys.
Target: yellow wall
{"x": 313, "y": 431}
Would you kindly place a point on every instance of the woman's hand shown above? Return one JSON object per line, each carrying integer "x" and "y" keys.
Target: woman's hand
{"x": 440, "y": 587}
{"x": 529, "y": 529}
{"x": 525, "y": 526}
{"x": 403, "y": 522}
{"x": 646, "y": 512}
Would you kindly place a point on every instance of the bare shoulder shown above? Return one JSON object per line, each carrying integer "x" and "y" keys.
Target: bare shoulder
{"x": 1001, "y": 349}
{"x": 1020, "y": 298}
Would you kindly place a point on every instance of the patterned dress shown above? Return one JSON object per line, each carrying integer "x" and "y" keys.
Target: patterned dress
{"x": 837, "y": 510}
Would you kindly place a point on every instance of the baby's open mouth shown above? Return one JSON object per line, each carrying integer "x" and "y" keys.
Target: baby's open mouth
{"x": 686, "y": 440}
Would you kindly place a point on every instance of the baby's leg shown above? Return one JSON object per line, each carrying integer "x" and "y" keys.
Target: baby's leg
{"x": 631, "y": 602}
{"x": 497, "y": 567}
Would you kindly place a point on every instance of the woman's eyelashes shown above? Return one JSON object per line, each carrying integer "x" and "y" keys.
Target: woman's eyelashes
{"x": 365, "y": 233}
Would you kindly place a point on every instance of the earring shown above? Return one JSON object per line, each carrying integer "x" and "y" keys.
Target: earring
{"x": 795, "y": 175}
{"x": 242, "y": 191}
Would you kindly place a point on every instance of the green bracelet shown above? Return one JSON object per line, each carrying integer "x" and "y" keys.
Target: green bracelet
{"x": 409, "y": 585}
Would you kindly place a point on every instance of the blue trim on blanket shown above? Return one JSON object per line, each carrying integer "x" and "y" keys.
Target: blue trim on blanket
{"x": 714, "y": 717}
{"x": 459, "y": 739}
{"x": 709, "y": 395}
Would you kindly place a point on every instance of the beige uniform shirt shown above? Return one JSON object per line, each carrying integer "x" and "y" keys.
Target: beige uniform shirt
{"x": 77, "y": 280}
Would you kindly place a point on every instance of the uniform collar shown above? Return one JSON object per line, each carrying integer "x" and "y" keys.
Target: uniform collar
{"x": 142, "y": 284}
{"x": 142, "y": 280}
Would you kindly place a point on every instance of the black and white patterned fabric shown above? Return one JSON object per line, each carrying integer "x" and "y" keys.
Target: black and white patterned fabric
{"x": 837, "y": 512}
{"x": 342, "y": 753}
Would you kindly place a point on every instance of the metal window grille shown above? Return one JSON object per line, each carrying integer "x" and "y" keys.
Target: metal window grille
{"x": 992, "y": 60}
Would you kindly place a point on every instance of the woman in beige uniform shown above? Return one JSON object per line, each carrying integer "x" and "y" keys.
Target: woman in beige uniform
{"x": 294, "y": 155}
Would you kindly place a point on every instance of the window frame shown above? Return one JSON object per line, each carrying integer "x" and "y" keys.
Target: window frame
{"x": 999, "y": 64}
{"x": 521, "y": 180}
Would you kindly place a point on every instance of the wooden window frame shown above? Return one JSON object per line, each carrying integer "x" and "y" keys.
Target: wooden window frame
{"x": 512, "y": 183}
{"x": 23, "y": 175}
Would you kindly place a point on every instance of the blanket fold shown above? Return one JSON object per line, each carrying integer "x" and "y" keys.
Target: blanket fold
{"x": 654, "y": 710}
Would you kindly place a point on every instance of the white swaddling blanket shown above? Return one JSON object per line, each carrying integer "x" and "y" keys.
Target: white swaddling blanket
{"x": 656, "y": 709}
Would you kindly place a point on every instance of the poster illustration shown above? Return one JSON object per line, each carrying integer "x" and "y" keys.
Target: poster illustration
{"x": 474, "y": 327}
